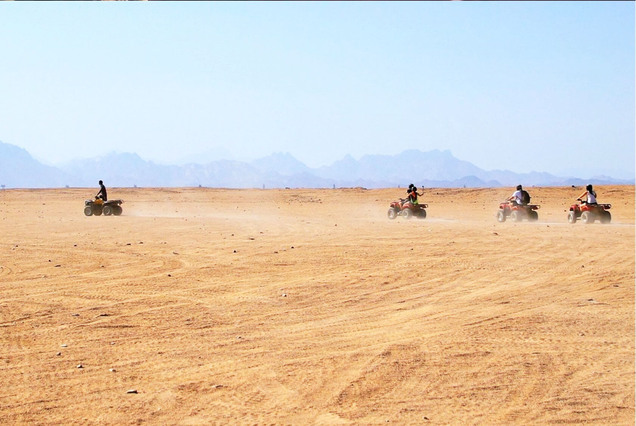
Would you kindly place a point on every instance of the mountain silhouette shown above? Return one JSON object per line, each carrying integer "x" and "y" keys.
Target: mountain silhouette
{"x": 18, "y": 169}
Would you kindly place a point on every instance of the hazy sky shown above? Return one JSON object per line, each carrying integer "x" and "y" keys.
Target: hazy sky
{"x": 506, "y": 85}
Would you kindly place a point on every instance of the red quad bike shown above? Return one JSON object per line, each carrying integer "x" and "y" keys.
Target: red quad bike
{"x": 407, "y": 209}
{"x": 589, "y": 213}
{"x": 517, "y": 213}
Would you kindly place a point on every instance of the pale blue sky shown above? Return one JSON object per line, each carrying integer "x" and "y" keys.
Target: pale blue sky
{"x": 506, "y": 85}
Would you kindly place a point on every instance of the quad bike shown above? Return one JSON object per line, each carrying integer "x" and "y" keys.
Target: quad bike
{"x": 97, "y": 207}
{"x": 517, "y": 212}
{"x": 588, "y": 213}
{"x": 407, "y": 209}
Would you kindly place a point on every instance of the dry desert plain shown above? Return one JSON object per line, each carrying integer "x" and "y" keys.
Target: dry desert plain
{"x": 310, "y": 306}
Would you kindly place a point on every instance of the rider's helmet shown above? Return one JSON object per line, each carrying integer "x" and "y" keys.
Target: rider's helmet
{"x": 519, "y": 187}
{"x": 101, "y": 183}
{"x": 588, "y": 188}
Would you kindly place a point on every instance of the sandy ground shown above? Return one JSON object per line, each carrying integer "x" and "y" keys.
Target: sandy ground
{"x": 310, "y": 306}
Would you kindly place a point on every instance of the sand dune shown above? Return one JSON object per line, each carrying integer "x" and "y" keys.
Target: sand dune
{"x": 310, "y": 306}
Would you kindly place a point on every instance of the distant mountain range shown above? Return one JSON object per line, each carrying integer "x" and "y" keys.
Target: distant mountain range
{"x": 18, "y": 169}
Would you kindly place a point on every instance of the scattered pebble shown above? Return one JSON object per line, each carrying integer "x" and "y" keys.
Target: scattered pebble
{"x": 112, "y": 370}
{"x": 132, "y": 391}
{"x": 59, "y": 354}
{"x": 169, "y": 275}
{"x": 174, "y": 252}
{"x": 80, "y": 366}
{"x": 57, "y": 266}
{"x": 234, "y": 251}
{"x": 64, "y": 345}
{"x": 128, "y": 244}
{"x": 75, "y": 315}
{"x": 284, "y": 294}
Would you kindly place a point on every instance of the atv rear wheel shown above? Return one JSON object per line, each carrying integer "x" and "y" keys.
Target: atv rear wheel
{"x": 88, "y": 211}
{"x": 107, "y": 210}
{"x": 572, "y": 217}
{"x": 501, "y": 216}
{"x": 515, "y": 216}
{"x": 606, "y": 217}
{"x": 422, "y": 214}
{"x": 407, "y": 213}
{"x": 533, "y": 216}
{"x": 117, "y": 210}
{"x": 587, "y": 217}
{"x": 392, "y": 213}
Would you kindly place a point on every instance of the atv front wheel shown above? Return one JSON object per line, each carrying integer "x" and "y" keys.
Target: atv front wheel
{"x": 88, "y": 211}
{"x": 501, "y": 216}
{"x": 571, "y": 217}
{"x": 392, "y": 213}
{"x": 533, "y": 216}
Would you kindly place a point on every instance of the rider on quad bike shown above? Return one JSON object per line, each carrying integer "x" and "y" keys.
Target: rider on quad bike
{"x": 408, "y": 207}
{"x": 412, "y": 194}
{"x": 518, "y": 207}
{"x": 588, "y": 209}
{"x": 101, "y": 204}
{"x": 520, "y": 197}
{"x": 102, "y": 192}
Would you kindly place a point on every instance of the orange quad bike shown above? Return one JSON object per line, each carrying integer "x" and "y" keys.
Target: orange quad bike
{"x": 517, "y": 212}
{"x": 588, "y": 213}
{"x": 406, "y": 208}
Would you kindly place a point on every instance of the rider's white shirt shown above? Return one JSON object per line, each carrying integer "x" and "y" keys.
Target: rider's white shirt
{"x": 518, "y": 197}
{"x": 591, "y": 199}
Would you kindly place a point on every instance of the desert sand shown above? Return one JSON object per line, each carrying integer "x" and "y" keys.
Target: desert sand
{"x": 309, "y": 306}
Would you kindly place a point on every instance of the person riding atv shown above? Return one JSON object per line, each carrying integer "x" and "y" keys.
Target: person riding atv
{"x": 588, "y": 209}
{"x": 102, "y": 192}
{"x": 412, "y": 194}
{"x": 518, "y": 207}
{"x": 590, "y": 196}
{"x": 520, "y": 197}
{"x": 409, "y": 206}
